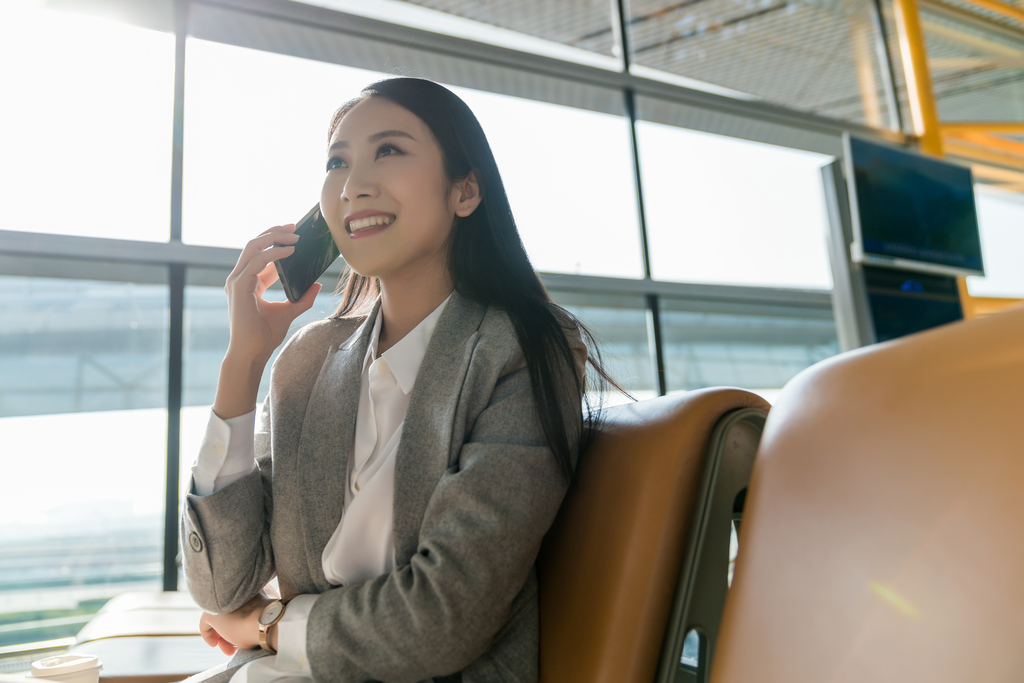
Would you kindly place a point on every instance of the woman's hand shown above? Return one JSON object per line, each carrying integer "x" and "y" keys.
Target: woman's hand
{"x": 238, "y": 629}
{"x": 257, "y": 326}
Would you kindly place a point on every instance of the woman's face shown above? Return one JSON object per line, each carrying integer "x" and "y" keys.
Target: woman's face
{"x": 384, "y": 195}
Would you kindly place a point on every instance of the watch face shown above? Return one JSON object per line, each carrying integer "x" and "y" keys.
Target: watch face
{"x": 271, "y": 612}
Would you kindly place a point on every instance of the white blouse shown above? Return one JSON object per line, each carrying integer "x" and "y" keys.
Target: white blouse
{"x": 362, "y": 546}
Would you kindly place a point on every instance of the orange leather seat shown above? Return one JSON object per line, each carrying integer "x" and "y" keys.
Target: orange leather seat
{"x": 610, "y": 566}
{"x": 883, "y": 535}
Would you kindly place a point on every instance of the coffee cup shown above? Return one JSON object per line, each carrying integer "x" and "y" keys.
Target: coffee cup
{"x": 71, "y": 668}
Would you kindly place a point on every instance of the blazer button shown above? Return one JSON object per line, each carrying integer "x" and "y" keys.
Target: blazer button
{"x": 195, "y": 542}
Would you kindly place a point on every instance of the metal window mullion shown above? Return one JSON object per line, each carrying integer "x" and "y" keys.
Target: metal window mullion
{"x": 889, "y": 73}
{"x": 176, "y": 285}
{"x": 654, "y": 341}
{"x": 176, "y": 273}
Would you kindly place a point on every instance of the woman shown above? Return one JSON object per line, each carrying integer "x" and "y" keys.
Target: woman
{"x": 414, "y": 447}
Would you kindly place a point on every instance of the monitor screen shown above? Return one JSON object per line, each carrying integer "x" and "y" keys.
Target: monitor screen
{"x": 912, "y": 211}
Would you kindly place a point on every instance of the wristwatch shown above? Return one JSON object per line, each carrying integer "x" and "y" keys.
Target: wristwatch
{"x": 271, "y": 614}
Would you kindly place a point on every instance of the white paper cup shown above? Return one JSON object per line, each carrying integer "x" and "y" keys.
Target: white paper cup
{"x": 68, "y": 669}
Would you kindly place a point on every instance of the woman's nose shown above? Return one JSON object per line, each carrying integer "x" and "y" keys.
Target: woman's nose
{"x": 359, "y": 183}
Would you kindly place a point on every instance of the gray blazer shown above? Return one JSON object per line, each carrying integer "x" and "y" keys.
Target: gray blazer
{"x": 476, "y": 488}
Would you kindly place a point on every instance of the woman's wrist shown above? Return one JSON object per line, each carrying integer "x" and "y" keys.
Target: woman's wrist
{"x": 238, "y": 385}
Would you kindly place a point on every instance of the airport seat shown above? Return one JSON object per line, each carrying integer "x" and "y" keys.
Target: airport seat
{"x": 882, "y": 536}
{"x": 639, "y": 552}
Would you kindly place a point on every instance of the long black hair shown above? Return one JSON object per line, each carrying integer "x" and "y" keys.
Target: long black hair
{"x": 488, "y": 263}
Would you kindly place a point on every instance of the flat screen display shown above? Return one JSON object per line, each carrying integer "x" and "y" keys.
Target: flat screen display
{"x": 912, "y": 211}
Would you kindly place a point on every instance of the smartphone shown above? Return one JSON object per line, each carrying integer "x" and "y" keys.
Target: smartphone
{"x": 314, "y": 253}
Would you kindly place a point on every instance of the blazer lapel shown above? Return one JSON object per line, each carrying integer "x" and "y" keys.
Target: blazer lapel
{"x": 326, "y": 444}
{"x": 425, "y": 447}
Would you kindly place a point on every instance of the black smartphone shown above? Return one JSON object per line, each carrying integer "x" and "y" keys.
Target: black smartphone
{"x": 314, "y": 253}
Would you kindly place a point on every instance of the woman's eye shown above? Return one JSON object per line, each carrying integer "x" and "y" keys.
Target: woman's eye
{"x": 387, "y": 150}
{"x": 335, "y": 162}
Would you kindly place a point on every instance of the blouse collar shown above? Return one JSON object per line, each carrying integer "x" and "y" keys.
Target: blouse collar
{"x": 405, "y": 356}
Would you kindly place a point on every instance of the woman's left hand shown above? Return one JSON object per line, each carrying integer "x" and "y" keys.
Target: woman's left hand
{"x": 238, "y": 629}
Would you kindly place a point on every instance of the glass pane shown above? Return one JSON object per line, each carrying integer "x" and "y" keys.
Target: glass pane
{"x": 1001, "y": 219}
{"x": 758, "y": 348}
{"x": 977, "y": 73}
{"x": 569, "y": 177}
{"x": 83, "y": 423}
{"x": 206, "y": 341}
{"x": 817, "y": 57}
{"x": 579, "y": 31}
{"x": 86, "y": 132}
{"x": 619, "y": 326}
{"x": 729, "y": 211}
{"x": 256, "y": 159}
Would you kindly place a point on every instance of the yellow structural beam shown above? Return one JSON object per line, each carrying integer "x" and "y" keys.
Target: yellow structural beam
{"x": 997, "y": 127}
{"x": 985, "y": 153}
{"x": 1013, "y": 148}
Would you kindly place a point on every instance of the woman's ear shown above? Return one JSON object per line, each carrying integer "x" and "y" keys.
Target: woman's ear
{"x": 466, "y": 195}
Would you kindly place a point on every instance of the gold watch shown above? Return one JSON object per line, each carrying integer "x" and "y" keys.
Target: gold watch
{"x": 271, "y": 614}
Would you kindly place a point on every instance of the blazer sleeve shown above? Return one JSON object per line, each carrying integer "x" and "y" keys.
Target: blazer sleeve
{"x": 225, "y": 537}
{"x": 478, "y": 543}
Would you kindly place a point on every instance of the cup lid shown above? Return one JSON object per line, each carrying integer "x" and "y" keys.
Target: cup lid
{"x": 64, "y": 664}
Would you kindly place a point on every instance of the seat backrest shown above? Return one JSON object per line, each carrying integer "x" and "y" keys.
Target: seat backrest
{"x": 883, "y": 535}
{"x": 610, "y": 565}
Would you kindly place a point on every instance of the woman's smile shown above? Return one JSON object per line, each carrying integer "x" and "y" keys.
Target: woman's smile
{"x": 367, "y": 222}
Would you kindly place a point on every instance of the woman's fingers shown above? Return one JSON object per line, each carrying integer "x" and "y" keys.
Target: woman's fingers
{"x": 226, "y": 647}
{"x": 210, "y": 636}
{"x": 262, "y": 260}
{"x": 280, "y": 235}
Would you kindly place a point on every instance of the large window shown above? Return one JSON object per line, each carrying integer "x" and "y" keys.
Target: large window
{"x": 85, "y": 130}
{"x": 1001, "y": 219}
{"x": 756, "y": 347}
{"x": 83, "y": 428}
{"x": 730, "y": 211}
{"x": 569, "y": 179}
{"x": 619, "y": 324}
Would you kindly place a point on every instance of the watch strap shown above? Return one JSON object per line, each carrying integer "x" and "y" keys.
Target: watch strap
{"x": 264, "y": 636}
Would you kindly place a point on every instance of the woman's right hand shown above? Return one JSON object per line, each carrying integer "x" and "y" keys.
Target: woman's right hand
{"x": 257, "y": 326}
